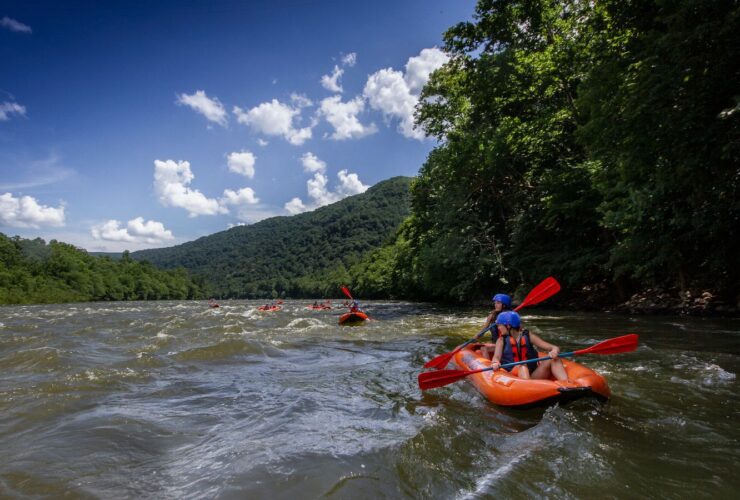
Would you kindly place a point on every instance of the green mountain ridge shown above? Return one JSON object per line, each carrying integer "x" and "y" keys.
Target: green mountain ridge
{"x": 301, "y": 255}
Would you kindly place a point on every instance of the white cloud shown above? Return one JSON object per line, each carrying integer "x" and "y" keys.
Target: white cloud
{"x": 320, "y": 195}
{"x": 246, "y": 205}
{"x": 420, "y": 67}
{"x": 13, "y": 25}
{"x": 317, "y": 191}
{"x": 171, "y": 181}
{"x": 312, "y": 163}
{"x": 343, "y": 117}
{"x": 349, "y": 59}
{"x": 350, "y": 184}
{"x": 275, "y": 119}
{"x": 300, "y": 100}
{"x": 242, "y": 163}
{"x": 25, "y": 211}
{"x": 262, "y": 142}
{"x": 244, "y": 196}
{"x": 331, "y": 82}
{"x": 9, "y": 108}
{"x": 396, "y": 94}
{"x": 136, "y": 231}
{"x": 295, "y": 206}
{"x": 212, "y": 109}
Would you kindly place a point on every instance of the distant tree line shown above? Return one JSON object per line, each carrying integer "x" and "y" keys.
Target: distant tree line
{"x": 32, "y": 271}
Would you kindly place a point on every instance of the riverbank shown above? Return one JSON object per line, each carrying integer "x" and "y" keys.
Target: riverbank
{"x": 652, "y": 301}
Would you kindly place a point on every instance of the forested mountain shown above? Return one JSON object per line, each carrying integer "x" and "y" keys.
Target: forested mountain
{"x": 307, "y": 254}
{"x": 32, "y": 271}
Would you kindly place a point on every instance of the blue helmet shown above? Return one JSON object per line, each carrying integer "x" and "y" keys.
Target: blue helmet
{"x": 503, "y": 298}
{"x": 509, "y": 318}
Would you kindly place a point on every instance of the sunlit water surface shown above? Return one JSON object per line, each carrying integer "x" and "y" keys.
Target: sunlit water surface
{"x": 176, "y": 400}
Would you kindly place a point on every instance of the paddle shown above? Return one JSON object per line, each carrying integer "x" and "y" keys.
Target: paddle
{"x": 546, "y": 289}
{"x": 625, "y": 343}
{"x": 346, "y": 292}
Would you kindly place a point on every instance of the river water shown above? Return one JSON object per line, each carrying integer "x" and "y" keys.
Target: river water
{"x": 176, "y": 400}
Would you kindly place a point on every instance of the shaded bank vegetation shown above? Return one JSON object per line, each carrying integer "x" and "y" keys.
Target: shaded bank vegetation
{"x": 593, "y": 141}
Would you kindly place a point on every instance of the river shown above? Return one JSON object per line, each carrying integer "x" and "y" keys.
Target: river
{"x": 176, "y": 400}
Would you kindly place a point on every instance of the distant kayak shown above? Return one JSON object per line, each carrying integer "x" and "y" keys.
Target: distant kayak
{"x": 505, "y": 389}
{"x": 269, "y": 308}
{"x": 318, "y": 308}
{"x": 213, "y": 306}
{"x": 352, "y": 318}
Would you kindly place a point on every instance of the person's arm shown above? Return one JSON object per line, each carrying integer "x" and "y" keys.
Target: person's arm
{"x": 489, "y": 320}
{"x": 552, "y": 350}
{"x": 496, "y": 360}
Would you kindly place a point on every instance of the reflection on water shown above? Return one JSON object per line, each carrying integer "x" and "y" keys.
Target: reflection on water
{"x": 174, "y": 399}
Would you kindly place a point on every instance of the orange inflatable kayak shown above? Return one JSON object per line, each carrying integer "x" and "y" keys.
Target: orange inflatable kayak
{"x": 352, "y": 318}
{"x": 506, "y": 389}
{"x": 269, "y": 308}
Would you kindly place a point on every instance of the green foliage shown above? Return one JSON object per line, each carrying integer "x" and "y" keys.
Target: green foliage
{"x": 33, "y": 272}
{"x": 593, "y": 141}
{"x": 306, "y": 255}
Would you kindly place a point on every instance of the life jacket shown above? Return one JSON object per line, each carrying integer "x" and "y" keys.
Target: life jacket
{"x": 521, "y": 352}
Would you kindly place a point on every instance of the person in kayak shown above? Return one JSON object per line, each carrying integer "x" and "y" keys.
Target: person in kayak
{"x": 515, "y": 344}
{"x": 355, "y": 307}
{"x": 501, "y": 303}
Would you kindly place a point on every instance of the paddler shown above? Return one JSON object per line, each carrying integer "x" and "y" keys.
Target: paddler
{"x": 515, "y": 344}
{"x": 501, "y": 303}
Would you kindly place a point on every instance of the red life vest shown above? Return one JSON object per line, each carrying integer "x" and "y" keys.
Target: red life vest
{"x": 522, "y": 352}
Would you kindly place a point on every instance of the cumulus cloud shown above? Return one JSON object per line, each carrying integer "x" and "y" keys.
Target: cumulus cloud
{"x": 420, "y": 67}
{"x": 244, "y": 196}
{"x": 295, "y": 206}
{"x": 343, "y": 117}
{"x": 13, "y": 25}
{"x": 312, "y": 163}
{"x": 300, "y": 100}
{"x": 171, "y": 180}
{"x": 349, "y": 59}
{"x": 396, "y": 94}
{"x": 212, "y": 109}
{"x": 331, "y": 82}
{"x": 274, "y": 119}
{"x": 350, "y": 184}
{"x": 262, "y": 142}
{"x": 25, "y": 211}
{"x": 136, "y": 231}
{"x": 10, "y": 108}
{"x": 242, "y": 163}
{"x": 318, "y": 191}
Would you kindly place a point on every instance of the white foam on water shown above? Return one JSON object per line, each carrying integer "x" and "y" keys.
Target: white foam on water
{"x": 484, "y": 483}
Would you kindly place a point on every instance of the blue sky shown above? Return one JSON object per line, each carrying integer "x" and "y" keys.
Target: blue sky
{"x": 130, "y": 125}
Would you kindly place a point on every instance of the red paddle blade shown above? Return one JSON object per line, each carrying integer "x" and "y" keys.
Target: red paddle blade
{"x": 440, "y": 361}
{"x": 546, "y": 289}
{"x": 346, "y": 292}
{"x": 430, "y": 380}
{"x": 625, "y": 343}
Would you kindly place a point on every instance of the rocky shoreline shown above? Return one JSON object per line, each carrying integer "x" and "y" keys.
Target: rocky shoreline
{"x": 654, "y": 301}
